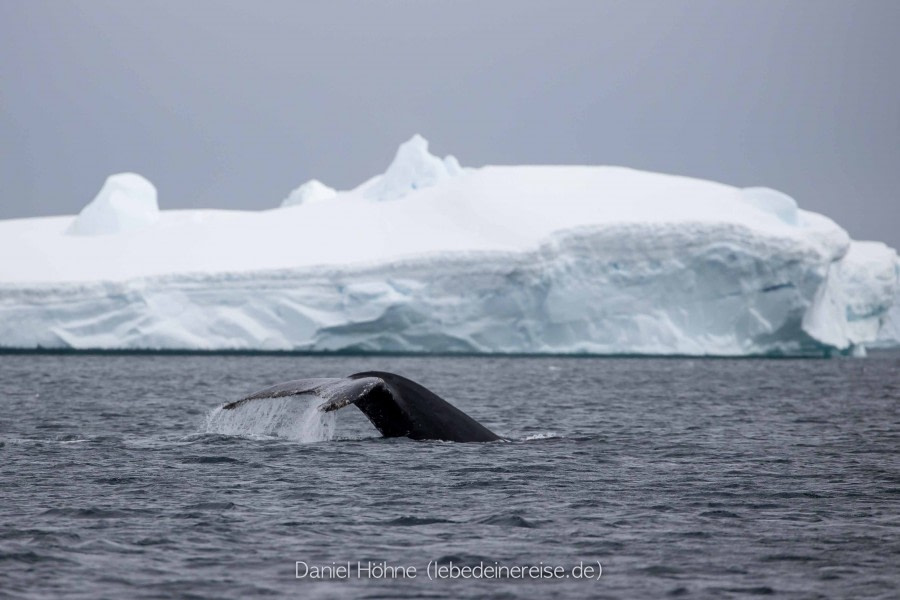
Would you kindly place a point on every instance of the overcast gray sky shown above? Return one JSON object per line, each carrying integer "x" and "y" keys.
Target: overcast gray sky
{"x": 232, "y": 104}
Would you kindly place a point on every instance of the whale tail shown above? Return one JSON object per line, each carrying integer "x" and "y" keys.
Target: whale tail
{"x": 396, "y": 406}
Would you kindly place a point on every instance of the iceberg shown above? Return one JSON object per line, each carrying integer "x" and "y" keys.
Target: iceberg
{"x": 434, "y": 258}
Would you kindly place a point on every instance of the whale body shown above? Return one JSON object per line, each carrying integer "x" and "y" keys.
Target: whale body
{"x": 397, "y": 406}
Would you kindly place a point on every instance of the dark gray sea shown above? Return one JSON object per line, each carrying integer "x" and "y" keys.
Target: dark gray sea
{"x": 681, "y": 478}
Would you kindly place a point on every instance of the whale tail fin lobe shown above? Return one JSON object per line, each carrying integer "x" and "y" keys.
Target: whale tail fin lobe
{"x": 337, "y": 393}
{"x": 396, "y": 406}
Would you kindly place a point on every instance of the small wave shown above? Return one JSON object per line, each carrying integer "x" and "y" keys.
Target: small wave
{"x": 720, "y": 513}
{"x": 92, "y": 513}
{"x": 217, "y": 506}
{"x": 101, "y": 545}
{"x": 762, "y": 590}
{"x": 39, "y": 535}
{"x": 788, "y": 558}
{"x": 117, "y": 480}
{"x": 508, "y": 520}
{"x": 27, "y": 557}
{"x": 465, "y": 559}
{"x": 71, "y": 439}
{"x": 208, "y": 460}
{"x": 151, "y": 541}
{"x": 206, "y": 439}
{"x": 413, "y": 521}
{"x": 662, "y": 571}
{"x": 295, "y": 418}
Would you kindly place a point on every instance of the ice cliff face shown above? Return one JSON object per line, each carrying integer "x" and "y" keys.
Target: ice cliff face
{"x": 431, "y": 258}
{"x": 889, "y": 332}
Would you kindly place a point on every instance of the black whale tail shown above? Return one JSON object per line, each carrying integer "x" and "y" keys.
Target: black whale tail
{"x": 397, "y": 406}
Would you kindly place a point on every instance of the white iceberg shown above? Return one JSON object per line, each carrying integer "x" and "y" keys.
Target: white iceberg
{"x": 433, "y": 258}
{"x": 126, "y": 202}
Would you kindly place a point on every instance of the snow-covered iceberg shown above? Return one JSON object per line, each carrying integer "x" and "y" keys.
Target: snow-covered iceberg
{"x": 430, "y": 257}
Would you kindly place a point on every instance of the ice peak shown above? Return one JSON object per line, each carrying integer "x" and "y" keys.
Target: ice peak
{"x": 127, "y": 201}
{"x": 413, "y": 167}
{"x": 416, "y": 143}
{"x": 309, "y": 193}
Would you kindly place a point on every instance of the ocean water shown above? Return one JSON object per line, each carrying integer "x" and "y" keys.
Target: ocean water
{"x": 681, "y": 477}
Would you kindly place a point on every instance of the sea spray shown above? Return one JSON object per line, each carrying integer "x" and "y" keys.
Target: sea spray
{"x": 548, "y": 435}
{"x": 296, "y": 418}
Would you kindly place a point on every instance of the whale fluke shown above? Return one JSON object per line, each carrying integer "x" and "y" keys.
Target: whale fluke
{"x": 397, "y": 406}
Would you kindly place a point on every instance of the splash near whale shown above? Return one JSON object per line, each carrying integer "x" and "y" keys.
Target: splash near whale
{"x": 395, "y": 405}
